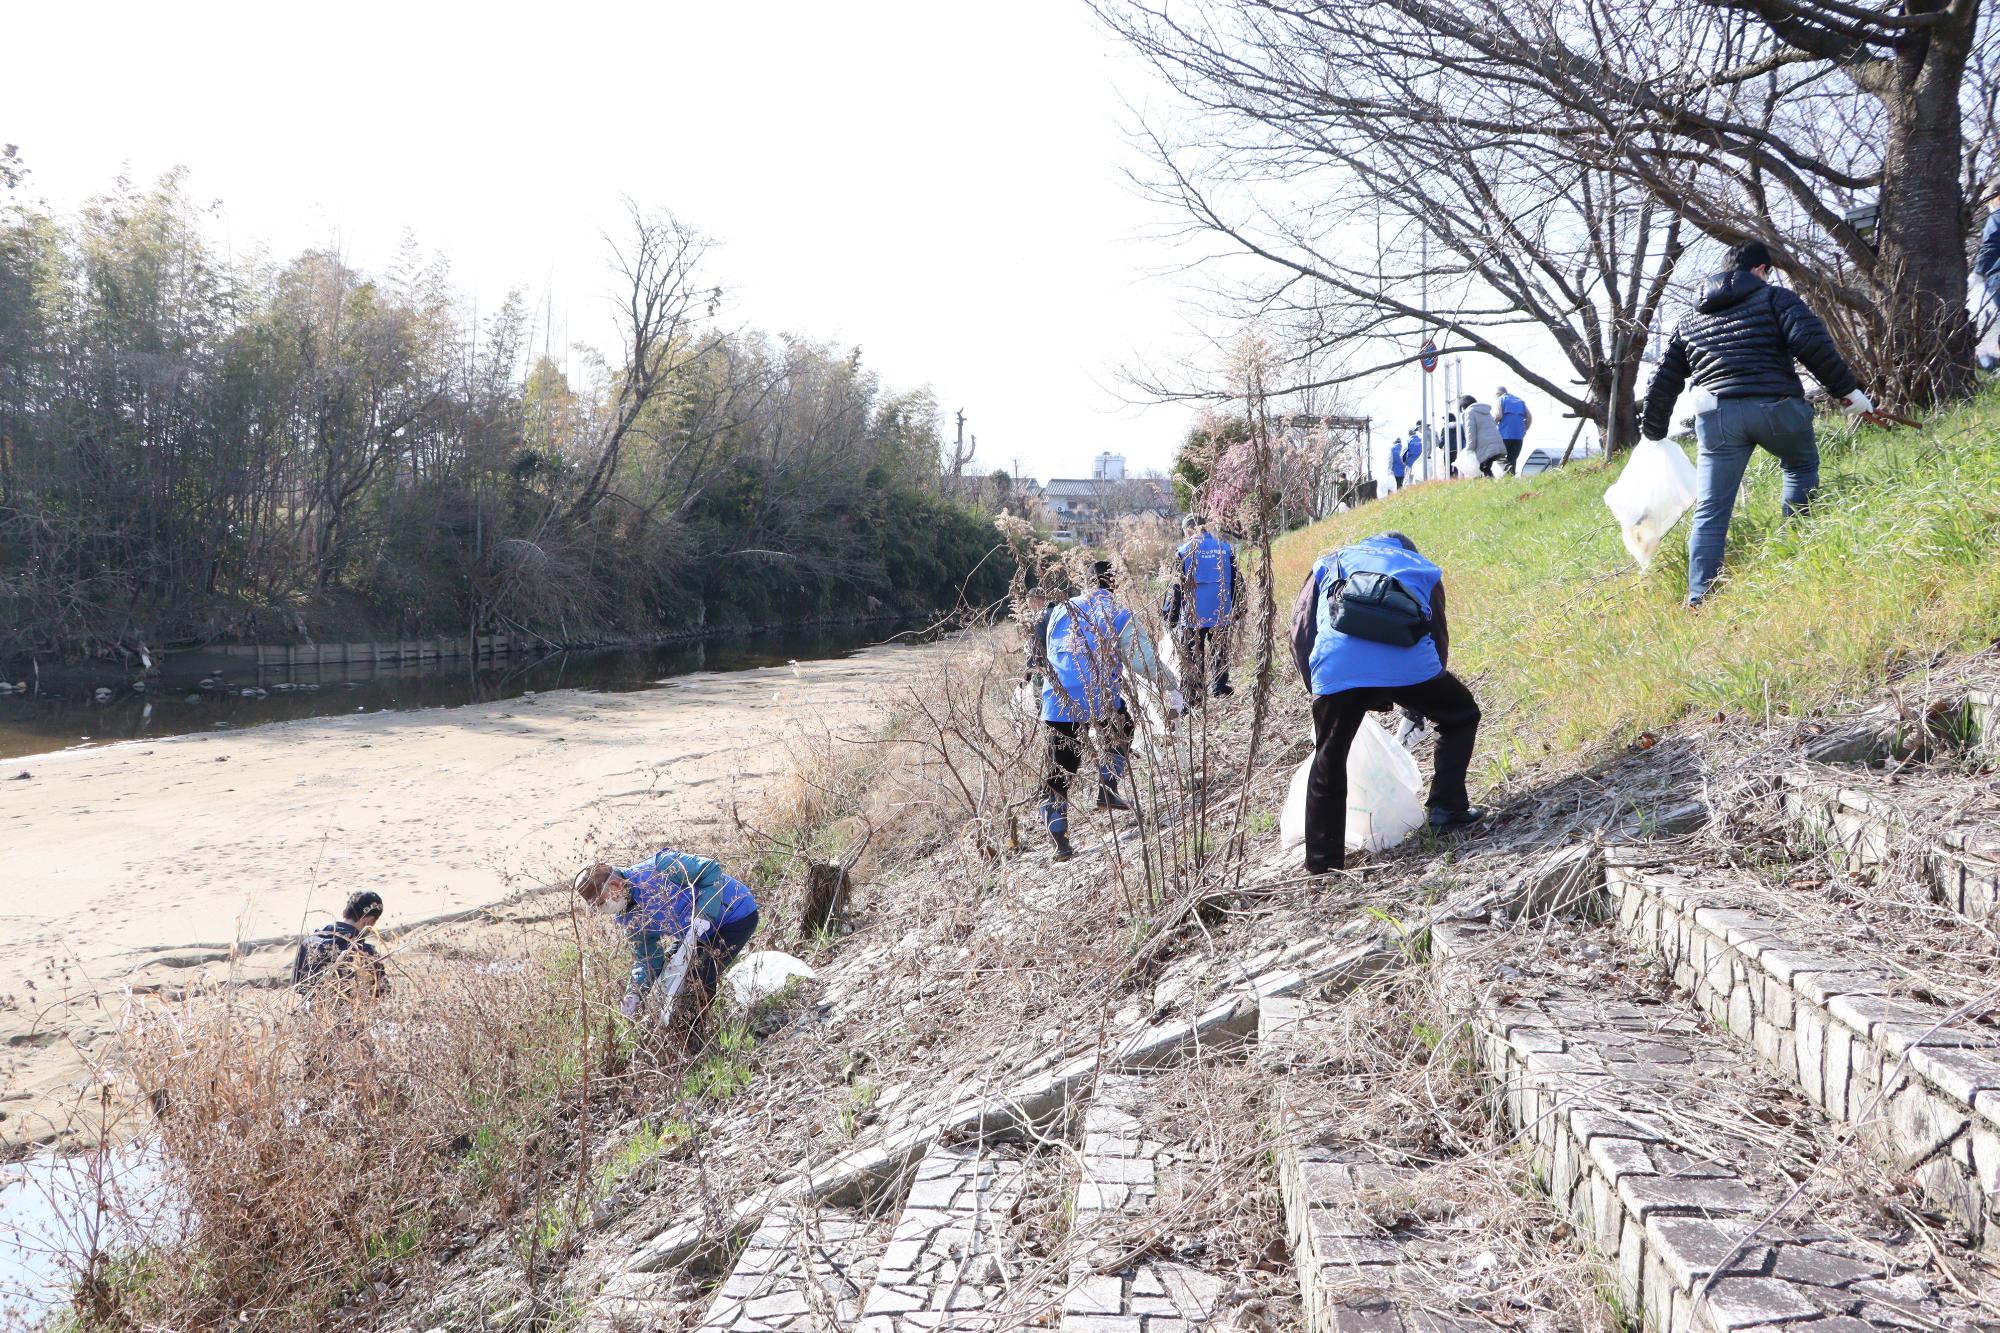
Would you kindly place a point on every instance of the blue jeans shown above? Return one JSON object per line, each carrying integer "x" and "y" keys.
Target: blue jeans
{"x": 1726, "y": 435}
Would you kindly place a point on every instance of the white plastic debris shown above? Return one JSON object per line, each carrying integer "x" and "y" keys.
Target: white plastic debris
{"x": 1385, "y": 794}
{"x": 759, "y": 976}
{"x": 1650, "y": 496}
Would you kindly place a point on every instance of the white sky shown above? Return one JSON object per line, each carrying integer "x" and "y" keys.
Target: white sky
{"x": 938, "y": 181}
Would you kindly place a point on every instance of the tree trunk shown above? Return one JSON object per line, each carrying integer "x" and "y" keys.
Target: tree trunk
{"x": 1614, "y": 402}
{"x": 1924, "y": 347}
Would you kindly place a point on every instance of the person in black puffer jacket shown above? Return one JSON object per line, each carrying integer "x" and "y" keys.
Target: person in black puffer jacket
{"x": 1739, "y": 346}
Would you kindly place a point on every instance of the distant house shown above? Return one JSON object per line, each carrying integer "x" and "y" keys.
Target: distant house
{"x": 994, "y": 492}
{"x": 1082, "y": 509}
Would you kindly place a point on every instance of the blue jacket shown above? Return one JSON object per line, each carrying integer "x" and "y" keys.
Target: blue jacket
{"x": 1208, "y": 574}
{"x": 1513, "y": 417}
{"x": 1332, "y": 661}
{"x": 1986, "y": 262}
{"x": 1412, "y": 452}
{"x": 1082, "y": 647}
{"x": 667, "y": 886}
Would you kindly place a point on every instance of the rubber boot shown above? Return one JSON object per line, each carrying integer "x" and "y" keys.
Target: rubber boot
{"x": 1056, "y": 815}
{"x": 1108, "y": 777}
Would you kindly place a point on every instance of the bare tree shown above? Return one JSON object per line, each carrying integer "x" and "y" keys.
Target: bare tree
{"x": 660, "y": 267}
{"x": 1580, "y": 135}
{"x": 1389, "y": 206}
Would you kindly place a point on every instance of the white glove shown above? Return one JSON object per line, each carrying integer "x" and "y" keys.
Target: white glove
{"x": 702, "y": 926}
{"x": 1176, "y": 703}
{"x": 1858, "y": 404}
{"x": 629, "y": 1006}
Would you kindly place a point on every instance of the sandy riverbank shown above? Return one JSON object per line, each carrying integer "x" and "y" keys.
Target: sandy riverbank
{"x": 137, "y": 865}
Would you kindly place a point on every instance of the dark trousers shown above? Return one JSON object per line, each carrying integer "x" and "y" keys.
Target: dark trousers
{"x": 1489, "y": 466}
{"x": 1066, "y": 742}
{"x": 651, "y": 952}
{"x": 1337, "y": 717}
{"x": 1204, "y": 651}
{"x": 1513, "y": 454}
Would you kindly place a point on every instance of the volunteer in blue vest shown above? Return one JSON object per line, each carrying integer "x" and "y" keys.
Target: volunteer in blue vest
{"x": 1201, "y": 609}
{"x": 1369, "y": 632}
{"x": 1085, "y": 649}
{"x": 1515, "y": 418}
{"x": 657, "y": 900}
{"x": 1413, "y": 450}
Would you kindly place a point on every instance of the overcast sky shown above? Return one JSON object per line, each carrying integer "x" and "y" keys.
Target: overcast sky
{"x": 938, "y": 181}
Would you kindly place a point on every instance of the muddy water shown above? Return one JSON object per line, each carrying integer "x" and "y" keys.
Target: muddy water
{"x": 237, "y": 695}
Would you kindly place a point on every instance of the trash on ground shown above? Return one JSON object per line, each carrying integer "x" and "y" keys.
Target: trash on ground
{"x": 760, "y": 975}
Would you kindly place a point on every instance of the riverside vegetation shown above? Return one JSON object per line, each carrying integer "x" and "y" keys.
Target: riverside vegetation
{"x": 197, "y": 443}
{"x": 516, "y": 1137}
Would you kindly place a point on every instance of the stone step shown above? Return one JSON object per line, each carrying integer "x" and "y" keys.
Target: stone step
{"x": 1922, "y": 1084}
{"x": 1673, "y": 1155}
{"x": 1866, "y": 823}
{"x": 1114, "y": 1285}
{"x": 946, "y": 1266}
{"x": 1356, "y": 1275}
{"x": 805, "y": 1270}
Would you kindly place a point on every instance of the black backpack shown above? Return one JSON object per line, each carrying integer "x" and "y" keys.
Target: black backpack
{"x": 1377, "y": 607}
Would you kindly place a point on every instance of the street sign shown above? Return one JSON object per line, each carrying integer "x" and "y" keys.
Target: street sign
{"x": 1428, "y": 357}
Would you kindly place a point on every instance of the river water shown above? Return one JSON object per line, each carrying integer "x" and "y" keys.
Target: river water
{"x": 54, "y": 1209}
{"x": 61, "y": 719}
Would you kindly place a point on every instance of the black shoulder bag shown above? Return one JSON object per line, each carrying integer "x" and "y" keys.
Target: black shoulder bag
{"x": 1377, "y": 607}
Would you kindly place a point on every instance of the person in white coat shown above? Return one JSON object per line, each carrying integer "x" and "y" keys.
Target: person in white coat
{"x": 1482, "y": 433}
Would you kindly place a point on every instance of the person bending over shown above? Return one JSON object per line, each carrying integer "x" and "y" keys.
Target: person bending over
{"x": 657, "y": 900}
{"x": 1369, "y": 632}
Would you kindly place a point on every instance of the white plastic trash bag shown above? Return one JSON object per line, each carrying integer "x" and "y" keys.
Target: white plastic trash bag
{"x": 1385, "y": 793}
{"x": 759, "y": 976}
{"x": 1466, "y": 464}
{"x": 1154, "y": 728}
{"x": 667, "y": 986}
{"x": 1292, "y": 821}
{"x": 1650, "y": 496}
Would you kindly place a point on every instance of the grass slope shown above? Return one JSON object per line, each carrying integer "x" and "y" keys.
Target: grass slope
{"x": 1571, "y": 649}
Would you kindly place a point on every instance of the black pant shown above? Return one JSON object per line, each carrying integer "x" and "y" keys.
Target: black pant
{"x": 1513, "y": 454}
{"x": 713, "y": 954}
{"x": 1066, "y": 742}
{"x": 1490, "y": 464}
{"x": 1337, "y": 717}
{"x": 1204, "y": 651}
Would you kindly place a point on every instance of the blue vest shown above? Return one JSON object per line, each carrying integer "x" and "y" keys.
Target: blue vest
{"x": 669, "y": 886}
{"x": 1084, "y": 668}
{"x": 1343, "y": 662}
{"x": 1513, "y": 418}
{"x": 1206, "y": 565}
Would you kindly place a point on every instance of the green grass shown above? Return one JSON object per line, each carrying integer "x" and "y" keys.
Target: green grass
{"x": 1572, "y": 650}
{"x": 724, "y": 1068}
